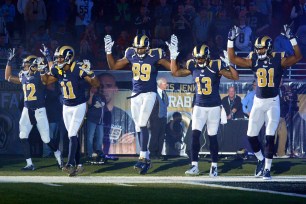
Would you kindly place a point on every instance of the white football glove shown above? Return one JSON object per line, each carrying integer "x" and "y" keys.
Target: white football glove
{"x": 225, "y": 58}
{"x": 11, "y": 54}
{"x": 173, "y": 47}
{"x": 287, "y": 31}
{"x": 108, "y": 44}
{"x": 86, "y": 65}
{"x": 233, "y": 33}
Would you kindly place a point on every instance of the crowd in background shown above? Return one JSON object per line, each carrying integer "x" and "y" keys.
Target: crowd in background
{"x": 26, "y": 24}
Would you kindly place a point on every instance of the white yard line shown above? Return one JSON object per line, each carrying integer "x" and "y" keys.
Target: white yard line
{"x": 130, "y": 180}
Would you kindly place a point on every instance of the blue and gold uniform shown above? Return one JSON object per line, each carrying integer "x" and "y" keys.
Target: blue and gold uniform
{"x": 33, "y": 90}
{"x": 268, "y": 73}
{"x": 72, "y": 84}
{"x": 207, "y": 81}
{"x": 144, "y": 69}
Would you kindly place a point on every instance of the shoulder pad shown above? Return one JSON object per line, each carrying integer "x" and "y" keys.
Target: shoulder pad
{"x": 278, "y": 54}
{"x": 250, "y": 55}
{"x": 130, "y": 51}
{"x": 190, "y": 63}
{"x": 219, "y": 64}
{"x": 157, "y": 51}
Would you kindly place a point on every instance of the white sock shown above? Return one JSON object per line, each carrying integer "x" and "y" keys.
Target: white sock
{"x": 214, "y": 164}
{"x": 259, "y": 155}
{"x": 57, "y": 155}
{"x": 143, "y": 154}
{"x": 268, "y": 163}
{"x": 29, "y": 162}
{"x": 195, "y": 163}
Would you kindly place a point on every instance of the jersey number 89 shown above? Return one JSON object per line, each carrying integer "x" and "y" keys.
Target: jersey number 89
{"x": 141, "y": 72}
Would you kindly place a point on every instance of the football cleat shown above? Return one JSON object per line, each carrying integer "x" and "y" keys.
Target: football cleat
{"x": 139, "y": 164}
{"x": 193, "y": 171}
{"x": 60, "y": 164}
{"x": 28, "y": 168}
{"x": 80, "y": 169}
{"x": 110, "y": 157}
{"x": 213, "y": 171}
{"x": 259, "y": 168}
{"x": 266, "y": 175}
{"x": 145, "y": 167}
{"x": 70, "y": 170}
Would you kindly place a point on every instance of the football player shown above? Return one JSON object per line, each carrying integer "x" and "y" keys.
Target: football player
{"x": 267, "y": 67}
{"x": 206, "y": 74}
{"x": 34, "y": 111}
{"x": 144, "y": 61}
{"x": 71, "y": 76}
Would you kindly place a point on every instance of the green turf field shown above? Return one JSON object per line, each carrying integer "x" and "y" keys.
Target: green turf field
{"x": 156, "y": 191}
{"x": 10, "y": 166}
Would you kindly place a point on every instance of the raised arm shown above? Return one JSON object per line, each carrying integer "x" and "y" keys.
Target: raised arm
{"x": 233, "y": 58}
{"x": 232, "y": 72}
{"x": 293, "y": 59}
{"x": 112, "y": 64}
{"x": 45, "y": 51}
{"x": 174, "y": 67}
{"x": 8, "y": 69}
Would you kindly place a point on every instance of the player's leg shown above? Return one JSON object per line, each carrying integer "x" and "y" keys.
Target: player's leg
{"x": 73, "y": 117}
{"x": 25, "y": 127}
{"x": 145, "y": 109}
{"x": 43, "y": 128}
{"x": 213, "y": 121}
{"x": 199, "y": 118}
{"x": 256, "y": 121}
{"x": 272, "y": 117}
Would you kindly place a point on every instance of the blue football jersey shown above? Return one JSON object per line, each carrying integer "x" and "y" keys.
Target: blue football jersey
{"x": 72, "y": 84}
{"x": 207, "y": 81}
{"x": 268, "y": 74}
{"x": 144, "y": 69}
{"x": 33, "y": 91}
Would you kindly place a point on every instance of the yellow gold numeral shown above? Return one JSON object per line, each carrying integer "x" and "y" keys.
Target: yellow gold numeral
{"x": 68, "y": 94}
{"x": 141, "y": 72}
{"x": 262, "y": 78}
{"x": 206, "y": 81}
{"x": 29, "y": 87}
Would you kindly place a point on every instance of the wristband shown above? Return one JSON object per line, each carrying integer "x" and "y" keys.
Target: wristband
{"x": 293, "y": 41}
{"x": 230, "y": 43}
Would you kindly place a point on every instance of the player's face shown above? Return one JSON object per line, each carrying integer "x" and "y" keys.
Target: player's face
{"x": 141, "y": 51}
{"x": 261, "y": 51}
{"x": 200, "y": 61}
{"x": 108, "y": 88}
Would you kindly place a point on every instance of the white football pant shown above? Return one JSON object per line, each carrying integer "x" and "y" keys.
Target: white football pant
{"x": 206, "y": 115}
{"x": 141, "y": 108}
{"x": 73, "y": 118}
{"x": 264, "y": 110}
{"x": 42, "y": 125}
